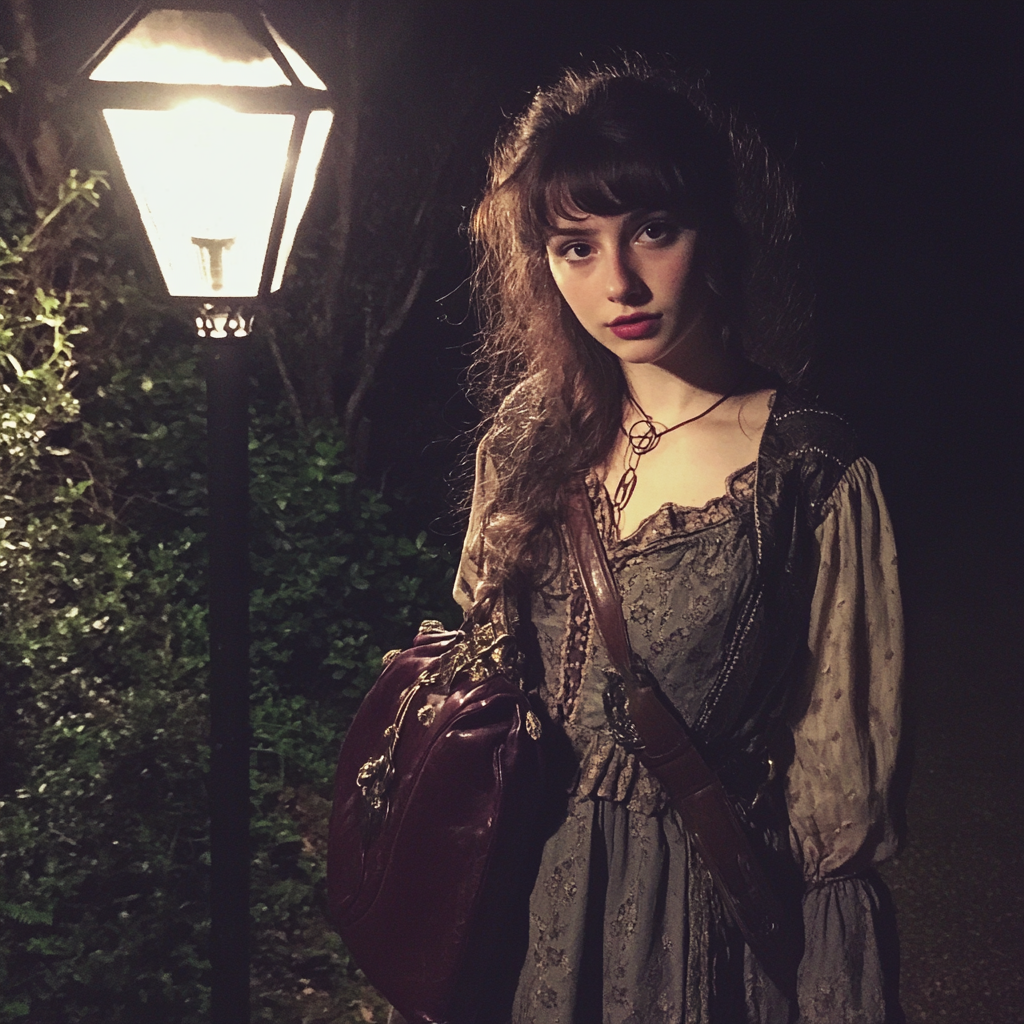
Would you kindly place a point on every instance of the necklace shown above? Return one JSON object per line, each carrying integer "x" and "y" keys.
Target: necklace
{"x": 643, "y": 436}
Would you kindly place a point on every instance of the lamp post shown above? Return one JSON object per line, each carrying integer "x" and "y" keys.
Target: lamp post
{"x": 219, "y": 126}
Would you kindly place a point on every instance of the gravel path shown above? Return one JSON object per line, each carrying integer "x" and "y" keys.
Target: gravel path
{"x": 959, "y": 882}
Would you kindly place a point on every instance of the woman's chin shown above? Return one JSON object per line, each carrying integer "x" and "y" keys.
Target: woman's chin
{"x": 638, "y": 351}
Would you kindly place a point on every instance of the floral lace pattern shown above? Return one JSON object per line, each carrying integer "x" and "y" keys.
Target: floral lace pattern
{"x": 670, "y": 520}
{"x": 626, "y": 928}
{"x": 683, "y": 574}
{"x": 625, "y": 925}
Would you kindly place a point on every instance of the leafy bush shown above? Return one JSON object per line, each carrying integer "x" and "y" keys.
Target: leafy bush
{"x": 99, "y": 826}
{"x": 103, "y": 820}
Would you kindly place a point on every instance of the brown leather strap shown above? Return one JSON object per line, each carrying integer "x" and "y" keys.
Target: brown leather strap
{"x": 665, "y": 740}
{"x": 663, "y": 737}
{"x": 694, "y": 790}
{"x": 599, "y": 583}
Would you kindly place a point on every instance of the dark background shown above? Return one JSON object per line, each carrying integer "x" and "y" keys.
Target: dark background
{"x": 902, "y": 124}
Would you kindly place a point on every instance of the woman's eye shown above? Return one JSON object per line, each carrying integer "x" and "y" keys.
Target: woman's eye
{"x": 577, "y": 251}
{"x": 659, "y": 231}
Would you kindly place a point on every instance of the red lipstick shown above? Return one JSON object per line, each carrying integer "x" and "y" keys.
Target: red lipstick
{"x": 636, "y": 325}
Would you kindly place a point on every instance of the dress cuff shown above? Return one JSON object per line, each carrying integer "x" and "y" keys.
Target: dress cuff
{"x": 848, "y": 974}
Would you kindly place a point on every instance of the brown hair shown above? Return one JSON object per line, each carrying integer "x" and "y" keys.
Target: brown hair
{"x": 606, "y": 142}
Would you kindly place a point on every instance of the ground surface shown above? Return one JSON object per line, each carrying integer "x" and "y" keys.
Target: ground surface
{"x": 959, "y": 882}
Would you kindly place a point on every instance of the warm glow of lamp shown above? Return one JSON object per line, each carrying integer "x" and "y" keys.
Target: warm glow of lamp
{"x": 206, "y": 180}
{"x": 220, "y": 143}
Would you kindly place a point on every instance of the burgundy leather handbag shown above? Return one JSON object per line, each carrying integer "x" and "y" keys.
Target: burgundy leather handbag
{"x": 435, "y": 815}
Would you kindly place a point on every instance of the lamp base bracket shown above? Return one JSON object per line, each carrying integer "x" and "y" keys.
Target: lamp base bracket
{"x": 222, "y": 321}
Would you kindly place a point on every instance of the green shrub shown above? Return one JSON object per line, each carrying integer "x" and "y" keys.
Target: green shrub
{"x": 102, "y": 908}
{"x": 103, "y": 713}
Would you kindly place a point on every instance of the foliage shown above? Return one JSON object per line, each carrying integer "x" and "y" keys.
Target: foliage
{"x": 103, "y": 830}
{"x": 99, "y": 707}
{"x": 37, "y": 325}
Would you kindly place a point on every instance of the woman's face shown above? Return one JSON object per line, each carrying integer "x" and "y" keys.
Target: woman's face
{"x": 628, "y": 279}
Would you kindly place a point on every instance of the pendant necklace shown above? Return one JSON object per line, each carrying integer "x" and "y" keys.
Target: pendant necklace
{"x": 643, "y": 436}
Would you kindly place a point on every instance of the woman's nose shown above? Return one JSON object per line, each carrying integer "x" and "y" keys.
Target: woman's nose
{"x": 624, "y": 285}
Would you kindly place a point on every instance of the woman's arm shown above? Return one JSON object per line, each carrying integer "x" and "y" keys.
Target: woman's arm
{"x": 847, "y": 736}
{"x": 471, "y": 563}
{"x": 845, "y": 739}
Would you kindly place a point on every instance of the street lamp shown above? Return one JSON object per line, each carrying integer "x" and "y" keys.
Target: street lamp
{"x": 219, "y": 126}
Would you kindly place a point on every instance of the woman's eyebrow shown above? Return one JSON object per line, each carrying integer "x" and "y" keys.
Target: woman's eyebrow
{"x": 633, "y": 217}
{"x": 570, "y": 232}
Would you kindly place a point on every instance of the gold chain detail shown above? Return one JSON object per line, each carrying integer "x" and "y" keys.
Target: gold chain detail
{"x": 482, "y": 653}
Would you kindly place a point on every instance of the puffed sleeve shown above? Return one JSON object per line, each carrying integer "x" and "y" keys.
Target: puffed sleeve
{"x": 845, "y": 745}
{"x": 471, "y": 564}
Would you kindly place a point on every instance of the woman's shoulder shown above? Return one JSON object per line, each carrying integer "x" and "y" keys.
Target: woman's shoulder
{"x": 809, "y": 444}
{"x": 800, "y": 427}
{"x": 526, "y": 397}
{"x": 510, "y": 422}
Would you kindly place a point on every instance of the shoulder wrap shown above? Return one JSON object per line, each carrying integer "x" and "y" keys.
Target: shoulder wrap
{"x": 805, "y": 452}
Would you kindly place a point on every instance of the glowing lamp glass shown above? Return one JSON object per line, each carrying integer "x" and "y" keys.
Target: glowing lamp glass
{"x": 305, "y": 74}
{"x": 190, "y": 48}
{"x": 313, "y": 143}
{"x": 206, "y": 180}
{"x": 211, "y": 182}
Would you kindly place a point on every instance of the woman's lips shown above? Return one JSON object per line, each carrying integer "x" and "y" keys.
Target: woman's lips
{"x": 638, "y": 325}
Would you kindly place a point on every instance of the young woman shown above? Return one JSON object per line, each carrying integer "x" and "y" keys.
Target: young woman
{"x": 632, "y": 332}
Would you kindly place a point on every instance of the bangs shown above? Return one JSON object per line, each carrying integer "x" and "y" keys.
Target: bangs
{"x": 606, "y": 191}
{"x": 629, "y": 145}
{"x": 590, "y": 173}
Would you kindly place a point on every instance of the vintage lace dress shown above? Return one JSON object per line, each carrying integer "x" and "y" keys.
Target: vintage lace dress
{"x": 625, "y": 925}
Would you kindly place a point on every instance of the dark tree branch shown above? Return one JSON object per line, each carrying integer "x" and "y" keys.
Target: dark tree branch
{"x": 29, "y": 132}
{"x": 375, "y": 344}
{"x": 289, "y": 387}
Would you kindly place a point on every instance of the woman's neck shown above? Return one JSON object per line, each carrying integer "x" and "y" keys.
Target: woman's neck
{"x": 670, "y": 393}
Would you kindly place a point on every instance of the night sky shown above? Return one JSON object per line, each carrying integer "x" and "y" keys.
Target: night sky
{"x": 901, "y": 123}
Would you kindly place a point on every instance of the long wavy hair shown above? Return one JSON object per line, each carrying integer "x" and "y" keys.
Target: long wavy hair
{"x": 606, "y": 142}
